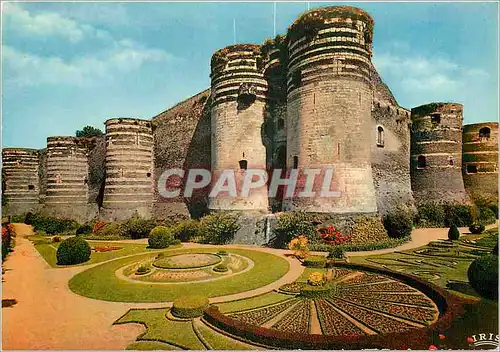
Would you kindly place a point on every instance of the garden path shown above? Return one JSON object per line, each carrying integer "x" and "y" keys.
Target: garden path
{"x": 49, "y": 316}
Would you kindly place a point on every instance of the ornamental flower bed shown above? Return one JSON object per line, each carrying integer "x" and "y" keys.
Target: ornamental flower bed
{"x": 376, "y": 321}
{"x": 261, "y": 315}
{"x": 106, "y": 248}
{"x": 331, "y": 236}
{"x": 334, "y": 323}
{"x": 297, "y": 319}
{"x": 300, "y": 247}
{"x": 367, "y": 279}
{"x": 391, "y": 286}
{"x": 413, "y": 299}
{"x": 336, "y": 273}
{"x": 417, "y": 314}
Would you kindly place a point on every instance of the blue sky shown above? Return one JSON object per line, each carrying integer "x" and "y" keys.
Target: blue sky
{"x": 67, "y": 65}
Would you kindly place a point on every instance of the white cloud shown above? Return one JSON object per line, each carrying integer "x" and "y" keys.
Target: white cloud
{"x": 25, "y": 69}
{"x": 43, "y": 24}
{"x": 425, "y": 78}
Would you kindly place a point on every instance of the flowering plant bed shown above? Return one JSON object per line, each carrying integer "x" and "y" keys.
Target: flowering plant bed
{"x": 331, "y": 236}
{"x": 296, "y": 320}
{"x": 261, "y": 315}
{"x": 105, "y": 248}
{"x": 334, "y": 323}
{"x": 293, "y": 287}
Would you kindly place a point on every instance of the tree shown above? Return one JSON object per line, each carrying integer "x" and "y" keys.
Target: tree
{"x": 89, "y": 131}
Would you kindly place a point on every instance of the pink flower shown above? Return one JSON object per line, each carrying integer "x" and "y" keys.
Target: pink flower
{"x": 470, "y": 340}
{"x": 432, "y": 348}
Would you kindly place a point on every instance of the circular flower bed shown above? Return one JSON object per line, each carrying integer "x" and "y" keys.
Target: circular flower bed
{"x": 187, "y": 261}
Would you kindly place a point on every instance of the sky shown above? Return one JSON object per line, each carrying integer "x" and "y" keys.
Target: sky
{"x": 68, "y": 65}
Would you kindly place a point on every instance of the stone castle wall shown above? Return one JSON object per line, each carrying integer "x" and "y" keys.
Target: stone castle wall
{"x": 480, "y": 159}
{"x": 329, "y": 106}
{"x": 311, "y": 98}
{"x": 20, "y": 185}
{"x": 436, "y": 153}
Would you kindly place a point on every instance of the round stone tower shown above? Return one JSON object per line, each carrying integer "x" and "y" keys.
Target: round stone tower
{"x": 20, "y": 180}
{"x": 480, "y": 159}
{"x": 67, "y": 178}
{"x": 329, "y": 105}
{"x": 237, "y": 118}
{"x": 129, "y": 168}
{"x": 436, "y": 153}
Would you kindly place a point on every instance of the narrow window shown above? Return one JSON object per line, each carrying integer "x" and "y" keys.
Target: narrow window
{"x": 471, "y": 169}
{"x": 148, "y": 174}
{"x": 380, "y": 137}
{"x": 421, "y": 162}
{"x": 484, "y": 133}
{"x": 451, "y": 162}
{"x": 243, "y": 164}
{"x": 436, "y": 119}
{"x": 295, "y": 162}
{"x": 85, "y": 181}
{"x": 31, "y": 187}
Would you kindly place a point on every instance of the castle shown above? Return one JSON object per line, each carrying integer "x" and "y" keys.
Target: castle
{"x": 310, "y": 98}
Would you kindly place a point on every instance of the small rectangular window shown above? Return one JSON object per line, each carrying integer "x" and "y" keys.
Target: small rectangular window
{"x": 471, "y": 169}
{"x": 295, "y": 162}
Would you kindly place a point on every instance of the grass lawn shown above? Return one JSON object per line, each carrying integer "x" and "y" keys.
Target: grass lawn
{"x": 163, "y": 333}
{"x": 100, "y": 282}
{"x": 48, "y": 251}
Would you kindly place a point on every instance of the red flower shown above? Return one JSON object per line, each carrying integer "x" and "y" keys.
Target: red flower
{"x": 432, "y": 348}
{"x": 470, "y": 340}
{"x": 442, "y": 337}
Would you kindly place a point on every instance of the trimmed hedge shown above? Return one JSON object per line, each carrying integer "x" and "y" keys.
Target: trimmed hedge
{"x": 190, "y": 306}
{"x": 50, "y": 225}
{"x": 483, "y": 276}
{"x": 487, "y": 216}
{"x": 309, "y": 291}
{"x": 315, "y": 261}
{"x": 73, "y": 250}
{"x": 336, "y": 253}
{"x": 136, "y": 227}
{"x": 161, "y": 237}
{"x": 221, "y": 268}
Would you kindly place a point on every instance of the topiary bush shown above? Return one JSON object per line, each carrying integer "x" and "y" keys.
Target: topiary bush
{"x": 137, "y": 227}
{"x": 476, "y": 228}
{"x": 141, "y": 270}
{"x": 161, "y": 237}
{"x": 218, "y": 228}
{"x": 430, "y": 214}
{"x": 190, "y": 306}
{"x": 453, "y": 233}
{"x": 315, "y": 261}
{"x": 84, "y": 229}
{"x": 483, "y": 276}
{"x": 221, "y": 268}
{"x": 293, "y": 224}
{"x": 73, "y": 250}
{"x": 187, "y": 229}
{"x": 398, "y": 223}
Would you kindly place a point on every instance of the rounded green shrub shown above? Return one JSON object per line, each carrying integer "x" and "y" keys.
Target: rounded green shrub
{"x": 186, "y": 230}
{"x": 221, "y": 268}
{"x": 160, "y": 237}
{"x": 84, "y": 229}
{"x": 399, "y": 223}
{"x": 483, "y": 276}
{"x": 73, "y": 250}
{"x": 453, "y": 233}
{"x": 336, "y": 253}
{"x": 142, "y": 270}
{"x": 293, "y": 224}
{"x": 315, "y": 261}
{"x": 459, "y": 214}
{"x": 309, "y": 291}
{"x": 487, "y": 216}
{"x": 189, "y": 306}
{"x": 137, "y": 227}
{"x": 219, "y": 228}
{"x": 476, "y": 228}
